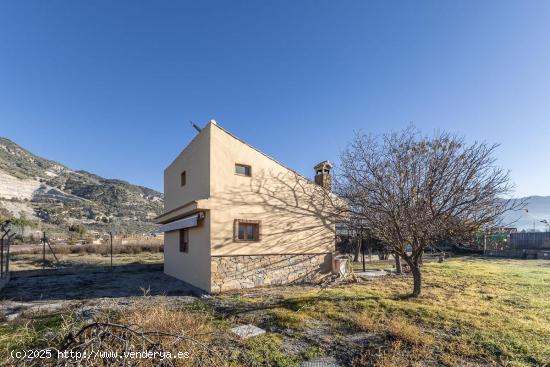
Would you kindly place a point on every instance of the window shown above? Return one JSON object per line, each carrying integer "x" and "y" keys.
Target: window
{"x": 243, "y": 169}
{"x": 247, "y": 230}
{"x": 183, "y": 178}
{"x": 184, "y": 240}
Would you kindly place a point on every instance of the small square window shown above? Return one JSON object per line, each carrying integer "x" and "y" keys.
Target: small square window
{"x": 247, "y": 230}
{"x": 183, "y": 178}
{"x": 184, "y": 240}
{"x": 243, "y": 169}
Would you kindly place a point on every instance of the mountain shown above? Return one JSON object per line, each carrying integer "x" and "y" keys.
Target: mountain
{"x": 39, "y": 189}
{"x": 538, "y": 208}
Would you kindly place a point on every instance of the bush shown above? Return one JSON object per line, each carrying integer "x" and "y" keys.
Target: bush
{"x": 78, "y": 228}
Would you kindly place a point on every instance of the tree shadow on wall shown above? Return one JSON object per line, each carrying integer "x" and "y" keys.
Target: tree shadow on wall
{"x": 296, "y": 214}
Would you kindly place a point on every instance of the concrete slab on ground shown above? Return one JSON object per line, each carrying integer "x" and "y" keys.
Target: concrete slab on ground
{"x": 321, "y": 362}
{"x": 372, "y": 273}
{"x": 247, "y": 331}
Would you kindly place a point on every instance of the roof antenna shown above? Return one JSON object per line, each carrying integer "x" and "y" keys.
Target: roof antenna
{"x": 195, "y": 126}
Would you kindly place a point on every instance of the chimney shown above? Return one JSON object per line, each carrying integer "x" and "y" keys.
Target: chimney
{"x": 322, "y": 175}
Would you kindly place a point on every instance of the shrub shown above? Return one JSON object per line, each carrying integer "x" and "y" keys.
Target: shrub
{"x": 78, "y": 228}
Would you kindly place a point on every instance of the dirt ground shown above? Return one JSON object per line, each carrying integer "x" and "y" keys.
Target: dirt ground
{"x": 473, "y": 312}
{"x": 51, "y": 290}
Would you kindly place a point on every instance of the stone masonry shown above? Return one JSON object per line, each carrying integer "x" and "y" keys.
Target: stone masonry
{"x": 240, "y": 272}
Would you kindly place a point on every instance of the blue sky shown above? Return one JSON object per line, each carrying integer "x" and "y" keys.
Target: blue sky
{"x": 110, "y": 86}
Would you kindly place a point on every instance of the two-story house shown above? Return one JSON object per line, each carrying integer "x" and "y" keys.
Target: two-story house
{"x": 235, "y": 218}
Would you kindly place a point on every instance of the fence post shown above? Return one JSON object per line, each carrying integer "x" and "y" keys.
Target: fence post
{"x": 2, "y": 257}
{"x": 111, "y": 236}
{"x": 8, "y": 257}
{"x": 2, "y": 241}
{"x": 44, "y": 250}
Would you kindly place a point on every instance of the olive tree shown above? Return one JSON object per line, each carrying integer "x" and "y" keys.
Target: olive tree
{"x": 414, "y": 190}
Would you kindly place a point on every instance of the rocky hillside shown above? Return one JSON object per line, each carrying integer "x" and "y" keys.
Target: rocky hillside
{"x": 38, "y": 189}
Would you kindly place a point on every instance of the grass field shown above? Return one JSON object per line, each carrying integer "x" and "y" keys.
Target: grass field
{"x": 473, "y": 312}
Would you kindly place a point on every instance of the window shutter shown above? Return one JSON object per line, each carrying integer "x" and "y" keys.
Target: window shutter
{"x": 247, "y": 225}
{"x": 257, "y": 232}
{"x": 184, "y": 240}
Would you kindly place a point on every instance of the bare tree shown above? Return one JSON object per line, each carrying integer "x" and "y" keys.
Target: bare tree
{"x": 414, "y": 190}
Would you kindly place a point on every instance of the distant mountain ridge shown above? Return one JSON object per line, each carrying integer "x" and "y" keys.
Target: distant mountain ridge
{"x": 44, "y": 190}
{"x": 537, "y": 209}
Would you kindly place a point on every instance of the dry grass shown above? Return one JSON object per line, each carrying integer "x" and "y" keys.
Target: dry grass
{"x": 365, "y": 321}
{"x": 102, "y": 249}
{"x": 38, "y": 330}
{"x": 405, "y": 344}
{"x": 407, "y": 332}
{"x": 473, "y": 312}
{"x": 33, "y": 262}
{"x": 160, "y": 316}
{"x": 147, "y": 324}
{"x": 29, "y": 257}
{"x": 166, "y": 326}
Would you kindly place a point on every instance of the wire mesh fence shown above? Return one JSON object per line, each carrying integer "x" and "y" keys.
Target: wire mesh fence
{"x": 4, "y": 259}
{"x": 51, "y": 254}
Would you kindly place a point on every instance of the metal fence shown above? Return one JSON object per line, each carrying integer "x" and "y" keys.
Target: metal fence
{"x": 530, "y": 240}
{"x": 4, "y": 258}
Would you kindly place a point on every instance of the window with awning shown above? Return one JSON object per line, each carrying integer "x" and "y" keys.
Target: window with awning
{"x": 187, "y": 222}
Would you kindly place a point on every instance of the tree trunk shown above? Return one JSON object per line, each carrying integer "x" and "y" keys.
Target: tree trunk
{"x": 357, "y": 249}
{"x": 417, "y": 276}
{"x": 417, "y": 279}
{"x": 398, "y": 268}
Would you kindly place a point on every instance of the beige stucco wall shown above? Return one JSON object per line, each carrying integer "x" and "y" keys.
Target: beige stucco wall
{"x": 195, "y": 161}
{"x": 294, "y": 211}
{"x": 192, "y": 267}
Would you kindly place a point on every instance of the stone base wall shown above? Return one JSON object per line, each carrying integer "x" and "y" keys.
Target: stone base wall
{"x": 240, "y": 272}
